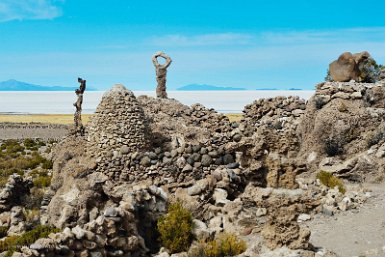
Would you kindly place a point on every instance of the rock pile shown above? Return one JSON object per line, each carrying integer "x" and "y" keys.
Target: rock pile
{"x": 119, "y": 127}
{"x": 109, "y": 190}
{"x": 11, "y": 194}
{"x": 121, "y": 229}
{"x": 343, "y": 120}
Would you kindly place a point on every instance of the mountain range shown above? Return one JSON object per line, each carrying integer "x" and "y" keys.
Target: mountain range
{"x": 14, "y": 85}
{"x": 203, "y": 87}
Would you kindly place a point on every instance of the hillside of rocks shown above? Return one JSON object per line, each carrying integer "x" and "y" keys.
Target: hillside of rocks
{"x": 256, "y": 178}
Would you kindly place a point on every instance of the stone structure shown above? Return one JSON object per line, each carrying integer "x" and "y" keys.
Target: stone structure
{"x": 161, "y": 73}
{"x": 79, "y": 129}
{"x": 240, "y": 177}
{"x": 118, "y": 128}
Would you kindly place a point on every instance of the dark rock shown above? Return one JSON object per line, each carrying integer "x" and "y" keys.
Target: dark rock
{"x": 227, "y": 159}
{"x": 190, "y": 160}
{"x": 219, "y": 161}
{"x": 237, "y": 137}
{"x": 196, "y": 157}
{"x": 233, "y": 165}
{"x": 206, "y": 160}
{"x": 196, "y": 148}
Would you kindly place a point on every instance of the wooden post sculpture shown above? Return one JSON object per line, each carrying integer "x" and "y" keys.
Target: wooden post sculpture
{"x": 161, "y": 73}
{"x": 79, "y": 129}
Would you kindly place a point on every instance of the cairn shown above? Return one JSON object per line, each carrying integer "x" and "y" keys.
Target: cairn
{"x": 119, "y": 127}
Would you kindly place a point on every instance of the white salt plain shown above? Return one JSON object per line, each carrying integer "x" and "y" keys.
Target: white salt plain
{"x": 61, "y": 102}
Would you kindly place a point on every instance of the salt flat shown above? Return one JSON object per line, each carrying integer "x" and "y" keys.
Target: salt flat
{"x": 62, "y": 102}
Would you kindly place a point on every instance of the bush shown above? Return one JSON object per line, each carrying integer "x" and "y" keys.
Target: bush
{"x": 224, "y": 245}
{"x": 334, "y": 146}
{"x": 175, "y": 228}
{"x": 47, "y": 164}
{"x": 327, "y": 179}
{"x": 32, "y": 216}
{"x": 16, "y": 242}
{"x": 369, "y": 71}
{"x": 42, "y": 181}
{"x": 328, "y": 77}
{"x": 3, "y": 231}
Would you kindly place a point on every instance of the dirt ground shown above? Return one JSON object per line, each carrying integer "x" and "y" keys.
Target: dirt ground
{"x": 356, "y": 232}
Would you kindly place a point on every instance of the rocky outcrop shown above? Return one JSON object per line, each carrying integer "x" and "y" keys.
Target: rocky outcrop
{"x": 15, "y": 188}
{"x": 109, "y": 188}
{"x": 342, "y": 122}
{"x": 359, "y": 67}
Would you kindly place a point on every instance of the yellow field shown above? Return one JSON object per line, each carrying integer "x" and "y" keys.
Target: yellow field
{"x": 234, "y": 116}
{"x": 43, "y": 118}
{"x": 66, "y": 118}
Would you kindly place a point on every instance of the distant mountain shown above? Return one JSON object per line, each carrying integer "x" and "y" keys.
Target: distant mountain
{"x": 267, "y": 88}
{"x": 295, "y": 89}
{"x": 203, "y": 87}
{"x": 14, "y": 85}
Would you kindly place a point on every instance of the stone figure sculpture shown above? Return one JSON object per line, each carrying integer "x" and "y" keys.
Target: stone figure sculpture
{"x": 161, "y": 73}
{"x": 79, "y": 129}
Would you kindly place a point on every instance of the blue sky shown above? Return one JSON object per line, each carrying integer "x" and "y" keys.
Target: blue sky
{"x": 251, "y": 44}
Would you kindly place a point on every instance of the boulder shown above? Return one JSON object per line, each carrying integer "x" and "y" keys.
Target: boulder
{"x": 344, "y": 68}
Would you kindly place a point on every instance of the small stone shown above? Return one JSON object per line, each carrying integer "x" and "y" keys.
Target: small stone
{"x": 206, "y": 160}
{"x": 227, "y": 159}
{"x": 237, "y": 137}
{"x": 261, "y": 212}
{"x": 303, "y": 217}
{"x": 187, "y": 168}
{"x": 125, "y": 149}
{"x": 233, "y": 165}
{"x": 145, "y": 161}
{"x": 196, "y": 148}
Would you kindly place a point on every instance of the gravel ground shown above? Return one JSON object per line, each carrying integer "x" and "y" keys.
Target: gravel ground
{"x": 28, "y": 130}
{"x": 355, "y": 232}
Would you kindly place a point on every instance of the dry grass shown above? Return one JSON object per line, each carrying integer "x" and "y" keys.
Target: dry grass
{"x": 68, "y": 118}
{"x": 234, "y": 116}
{"x": 43, "y": 118}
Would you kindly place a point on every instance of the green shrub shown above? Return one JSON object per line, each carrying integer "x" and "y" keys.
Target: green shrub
{"x": 175, "y": 228}
{"x": 29, "y": 143}
{"x": 42, "y": 181}
{"x": 369, "y": 71}
{"x": 3, "y": 231}
{"x": 327, "y": 179}
{"x": 328, "y": 77}
{"x": 225, "y": 244}
{"x": 47, "y": 164}
{"x": 16, "y": 242}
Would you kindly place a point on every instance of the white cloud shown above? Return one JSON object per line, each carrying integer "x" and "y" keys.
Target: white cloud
{"x": 214, "y": 39}
{"x": 270, "y": 38}
{"x": 29, "y": 9}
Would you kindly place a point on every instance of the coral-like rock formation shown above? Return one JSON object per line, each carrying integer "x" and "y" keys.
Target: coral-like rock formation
{"x": 252, "y": 178}
{"x": 359, "y": 67}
